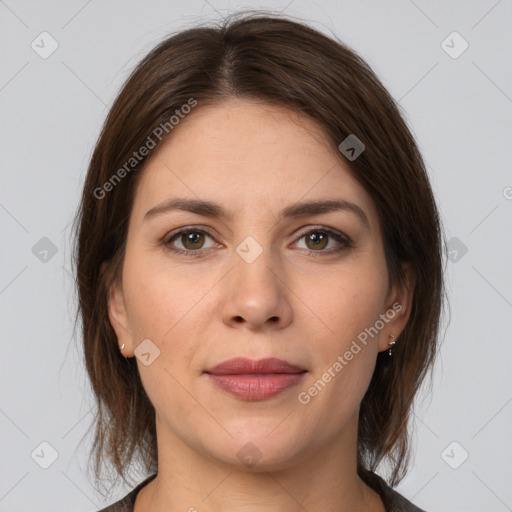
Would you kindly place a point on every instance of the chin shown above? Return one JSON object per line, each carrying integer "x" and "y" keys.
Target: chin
{"x": 258, "y": 452}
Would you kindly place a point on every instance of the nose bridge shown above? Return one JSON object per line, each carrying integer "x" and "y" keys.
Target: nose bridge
{"x": 256, "y": 267}
{"x": 256, "y": 293}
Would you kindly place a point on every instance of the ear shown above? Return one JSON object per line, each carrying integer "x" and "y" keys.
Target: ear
{"x": 119, "y": 319}
{"x": 398, "y": 308}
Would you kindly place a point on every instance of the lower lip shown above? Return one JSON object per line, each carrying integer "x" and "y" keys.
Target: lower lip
{"x": 256, "y": 387}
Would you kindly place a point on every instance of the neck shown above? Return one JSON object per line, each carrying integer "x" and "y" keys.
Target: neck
{"x": 323, "y": 479}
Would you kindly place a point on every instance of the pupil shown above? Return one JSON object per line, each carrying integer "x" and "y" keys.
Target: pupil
{"x": 318, "y": 240}
{"x": 192, "y": 239}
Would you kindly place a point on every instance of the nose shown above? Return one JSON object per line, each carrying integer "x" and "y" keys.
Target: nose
{"x": 256, "y": 295}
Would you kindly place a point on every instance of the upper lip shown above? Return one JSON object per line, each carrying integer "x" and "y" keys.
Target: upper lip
{"x": 244, "y": 366}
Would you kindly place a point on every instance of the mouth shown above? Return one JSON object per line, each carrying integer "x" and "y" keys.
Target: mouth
{"x": 244, "y": 366}
{"x": 253, "y": 380}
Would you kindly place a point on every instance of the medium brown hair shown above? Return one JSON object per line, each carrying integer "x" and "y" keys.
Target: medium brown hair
{"x": 283, "y": 62}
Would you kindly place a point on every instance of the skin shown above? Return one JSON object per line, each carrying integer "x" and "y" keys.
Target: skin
{"x": 254, "y": 160}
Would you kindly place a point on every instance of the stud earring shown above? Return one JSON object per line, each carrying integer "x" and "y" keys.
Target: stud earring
{"x": 121, "y": 349}
{"x": 391, "y": 344}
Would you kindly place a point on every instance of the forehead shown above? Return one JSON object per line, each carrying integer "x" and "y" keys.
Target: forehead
{"x": 247, "y": 156}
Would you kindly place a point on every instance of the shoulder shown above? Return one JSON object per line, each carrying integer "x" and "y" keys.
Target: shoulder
{"x": 126, "y": 503}
{"x": 393, "y": 501}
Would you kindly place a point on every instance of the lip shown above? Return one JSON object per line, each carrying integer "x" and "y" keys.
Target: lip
{"x": 253, "y": 380}
{"x": 244, "y": 366}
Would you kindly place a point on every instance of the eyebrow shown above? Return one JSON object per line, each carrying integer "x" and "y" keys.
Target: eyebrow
{"x": 211, "y": 209}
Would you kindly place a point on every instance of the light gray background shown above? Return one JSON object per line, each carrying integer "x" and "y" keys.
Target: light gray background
{"x": 460, "y": 111}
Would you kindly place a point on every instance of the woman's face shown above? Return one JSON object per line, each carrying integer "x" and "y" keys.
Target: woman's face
{"x": 258, "y": 274}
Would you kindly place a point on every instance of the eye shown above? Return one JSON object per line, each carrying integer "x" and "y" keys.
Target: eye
{"x": 188, "y": 241}
{"x": 191, "y": 241}
{"x": 318, "y": 239}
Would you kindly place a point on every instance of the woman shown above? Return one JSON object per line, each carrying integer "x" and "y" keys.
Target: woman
{"x": 260, "y": 274}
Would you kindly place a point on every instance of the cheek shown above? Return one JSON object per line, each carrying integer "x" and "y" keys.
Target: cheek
{"x": 149, "y": 311}
{"x": 351, "y": 302}
{"x": 345, "y": 357}
{"x": 346, "y": 353}
{"x": 161, "y": 304}
{"x": 160, "y": 298}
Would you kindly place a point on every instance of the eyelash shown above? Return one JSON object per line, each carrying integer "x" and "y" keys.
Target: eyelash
{"x": 343, "y": 239}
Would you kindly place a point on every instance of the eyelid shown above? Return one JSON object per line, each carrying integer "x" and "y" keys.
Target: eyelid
{"x": 188, "y": 229}
{"x": 324, "y": 229}
{"x": 339, "y": 236}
